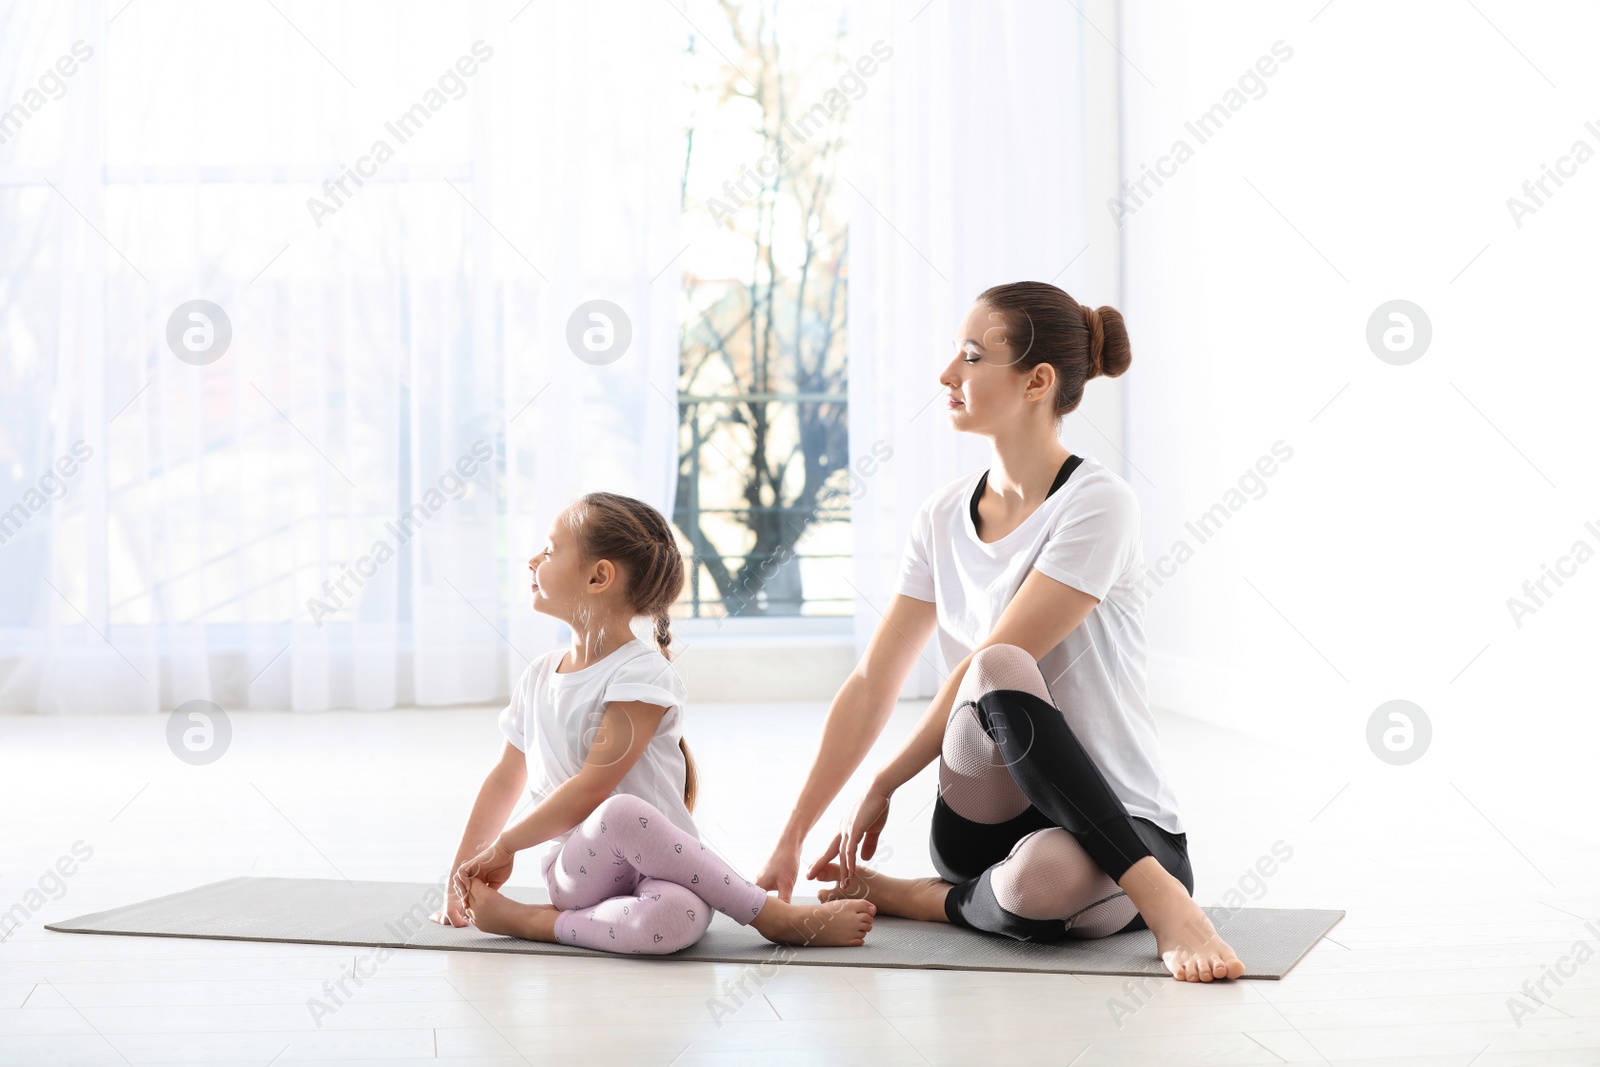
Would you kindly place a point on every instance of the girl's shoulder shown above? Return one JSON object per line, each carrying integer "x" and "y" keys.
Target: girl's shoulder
{"x": 647, "y": 664}
{"x": 646, "y": 675}
{"x": 541, "y": 665}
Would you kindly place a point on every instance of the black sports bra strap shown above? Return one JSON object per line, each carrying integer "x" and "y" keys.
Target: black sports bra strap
{"x": 1062, "y": 475}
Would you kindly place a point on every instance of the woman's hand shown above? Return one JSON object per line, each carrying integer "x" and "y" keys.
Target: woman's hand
{"x": 861, "y": 831}
{"x": 782, "y": 868}
{"x": 493, "y": 865}
{"x": 454, "y": 912}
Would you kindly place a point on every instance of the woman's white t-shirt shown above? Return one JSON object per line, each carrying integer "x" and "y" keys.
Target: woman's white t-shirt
{"x": 1086, "y": 535}
{"x": 554, "y": 717}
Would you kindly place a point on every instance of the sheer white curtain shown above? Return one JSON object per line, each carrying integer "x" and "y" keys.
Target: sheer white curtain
{"x": 337, "y": 510}
{"x": 981, "y": 152}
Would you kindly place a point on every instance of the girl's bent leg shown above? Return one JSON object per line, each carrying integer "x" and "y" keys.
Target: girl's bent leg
{"x": 658, "y": 917}
{"x": 626, "y": 839}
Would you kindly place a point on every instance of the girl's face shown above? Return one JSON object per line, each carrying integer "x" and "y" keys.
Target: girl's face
{"x": 985, "y": 390}
{"x": 555, "y": 573}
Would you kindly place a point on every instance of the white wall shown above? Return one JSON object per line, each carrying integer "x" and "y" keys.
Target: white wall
{"x": 1378, "y": 563}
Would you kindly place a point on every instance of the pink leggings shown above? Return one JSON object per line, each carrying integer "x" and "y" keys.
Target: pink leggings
{"x": 631, "y": 880}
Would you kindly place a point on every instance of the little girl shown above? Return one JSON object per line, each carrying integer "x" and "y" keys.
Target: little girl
{"x": 599, "y": 728}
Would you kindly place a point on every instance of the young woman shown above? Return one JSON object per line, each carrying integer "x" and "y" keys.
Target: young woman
{"x": 1053, "y": 818}
{"x": 598, "y": 727}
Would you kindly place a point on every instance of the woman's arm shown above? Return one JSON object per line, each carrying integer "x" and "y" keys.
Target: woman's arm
{"x": 1039, "y": 616}
{"x": 855, "y": 719}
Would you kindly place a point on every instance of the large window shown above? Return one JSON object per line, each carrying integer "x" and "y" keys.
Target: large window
{"x": 762, "y": 502}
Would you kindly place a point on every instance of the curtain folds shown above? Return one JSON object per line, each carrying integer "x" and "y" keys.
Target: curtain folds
{"x": 436, "y": 290}
{"x": 975, "y": 152}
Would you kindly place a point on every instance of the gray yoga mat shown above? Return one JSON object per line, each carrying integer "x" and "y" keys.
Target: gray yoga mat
{"x": 394, "y": 914}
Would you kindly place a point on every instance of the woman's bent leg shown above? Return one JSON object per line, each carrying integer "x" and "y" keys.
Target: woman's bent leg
{"x": 1011, "y": 772}
{"x": 1049, "y": 766}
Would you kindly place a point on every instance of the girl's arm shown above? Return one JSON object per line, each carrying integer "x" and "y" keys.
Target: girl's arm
{"x": 496, "y": 800}
{"x": 626, "y": 730}
{"x": 497, "y": 797}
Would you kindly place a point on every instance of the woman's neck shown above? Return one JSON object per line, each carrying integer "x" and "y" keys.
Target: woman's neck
{"x": 1024, "y": 468}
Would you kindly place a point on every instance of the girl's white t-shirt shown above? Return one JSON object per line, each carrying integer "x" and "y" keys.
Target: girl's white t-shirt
{"x": 553, "y": 718}
{"x": 1087, "y": 535}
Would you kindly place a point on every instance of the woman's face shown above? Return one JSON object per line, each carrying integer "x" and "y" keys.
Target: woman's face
{"x": 985, "y": 390}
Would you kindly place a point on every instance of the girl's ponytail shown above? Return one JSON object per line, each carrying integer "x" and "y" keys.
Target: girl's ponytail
{"x": 691, "y": 784}
{"x": 691, "y": 778}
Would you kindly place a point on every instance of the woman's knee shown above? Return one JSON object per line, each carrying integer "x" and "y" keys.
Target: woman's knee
{"x": 1049, "y": 875}
{"x": 1006, "y": 666}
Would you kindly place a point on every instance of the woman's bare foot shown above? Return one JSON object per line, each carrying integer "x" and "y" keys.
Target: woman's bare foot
{"x": 1185, "y": 938}
{"x": 909, "y": 898}
{"x": 495, "y": 913}
{"x": 837, "y": 922}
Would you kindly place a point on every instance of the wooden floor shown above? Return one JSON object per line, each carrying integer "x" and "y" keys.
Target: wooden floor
{"x": 1452, "y": 908}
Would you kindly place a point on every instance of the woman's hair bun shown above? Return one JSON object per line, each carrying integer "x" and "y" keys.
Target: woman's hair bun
{"x": 1109, "y": 351}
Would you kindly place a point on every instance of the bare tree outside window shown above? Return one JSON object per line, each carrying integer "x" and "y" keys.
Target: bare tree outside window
{"x": 762, "y": 496}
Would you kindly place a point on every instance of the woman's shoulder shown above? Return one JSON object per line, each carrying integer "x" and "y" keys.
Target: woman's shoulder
{"x": 1093, "y": 472}
{"x": 952, "y": 495}
{"x": 1095, "y": 490}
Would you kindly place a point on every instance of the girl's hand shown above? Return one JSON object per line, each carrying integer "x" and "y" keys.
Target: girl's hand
{"x": 861, "y": 831}
{"x": 493, "y": 865}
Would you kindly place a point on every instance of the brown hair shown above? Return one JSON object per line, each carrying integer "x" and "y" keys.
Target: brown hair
{"x": 637, "y": 539}
{"x": 1045, "y": 325}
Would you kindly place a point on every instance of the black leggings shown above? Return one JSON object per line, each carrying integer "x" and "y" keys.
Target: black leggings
{"x": 1066, "y": 789}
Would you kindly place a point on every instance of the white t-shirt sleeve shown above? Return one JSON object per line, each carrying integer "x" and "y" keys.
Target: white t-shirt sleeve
{"x": 649, "y": 678}
{"x": 1094, "y": 539}
{"x": 514, "y": 717}
{"x": 916, "y": 567}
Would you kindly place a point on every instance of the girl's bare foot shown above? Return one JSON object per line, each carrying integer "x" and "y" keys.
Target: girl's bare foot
{"x": 837, "y": 922}
{"x": 495, "y": 913}
{"x": 909, "y": 898}
{"x": 1186, "y": 940}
